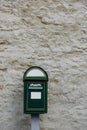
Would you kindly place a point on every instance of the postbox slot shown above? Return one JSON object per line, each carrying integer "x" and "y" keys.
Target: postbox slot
{"x": 35, "y": 88}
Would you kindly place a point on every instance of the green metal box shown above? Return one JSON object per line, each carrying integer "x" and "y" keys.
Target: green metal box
{"x": 35, "y": 90}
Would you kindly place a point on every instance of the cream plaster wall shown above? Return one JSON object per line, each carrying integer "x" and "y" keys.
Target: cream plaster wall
{"x": 51, "y": 34}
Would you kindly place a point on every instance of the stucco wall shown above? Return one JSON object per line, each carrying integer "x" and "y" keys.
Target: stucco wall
{"x": 51, "y": 34}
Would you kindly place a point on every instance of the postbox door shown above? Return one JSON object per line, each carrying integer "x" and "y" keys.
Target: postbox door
{"x": 36, "y": 97}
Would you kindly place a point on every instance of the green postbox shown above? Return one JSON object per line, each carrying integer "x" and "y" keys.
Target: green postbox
{"x": 35, "y": 90}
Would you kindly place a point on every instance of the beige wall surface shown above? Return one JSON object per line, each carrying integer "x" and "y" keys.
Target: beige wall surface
{"x": 51, "y": 34}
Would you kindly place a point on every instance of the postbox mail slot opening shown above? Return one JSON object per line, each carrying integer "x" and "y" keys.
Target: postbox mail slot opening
{"x": 35, "y": 95}
{"x": 39, "y": 88}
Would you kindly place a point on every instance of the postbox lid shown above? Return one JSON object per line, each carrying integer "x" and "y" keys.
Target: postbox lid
{"x": 35, "y": 73}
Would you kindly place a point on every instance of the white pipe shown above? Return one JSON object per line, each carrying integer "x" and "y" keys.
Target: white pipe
{"x": 35, "y": 123}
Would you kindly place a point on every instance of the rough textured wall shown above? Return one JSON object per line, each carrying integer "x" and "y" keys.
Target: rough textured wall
{"x": 51, "y": 34}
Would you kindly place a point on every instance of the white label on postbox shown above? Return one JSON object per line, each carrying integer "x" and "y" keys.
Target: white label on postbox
{"x": 35, "y": 95}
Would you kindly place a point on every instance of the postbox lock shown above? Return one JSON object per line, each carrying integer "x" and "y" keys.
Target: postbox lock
{"x": 35, "y": 90}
